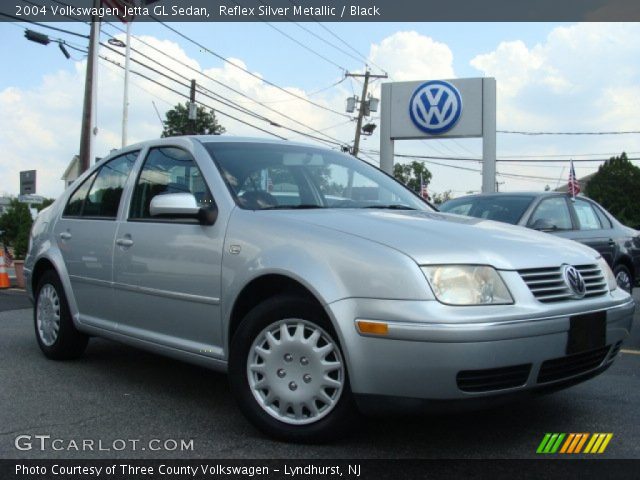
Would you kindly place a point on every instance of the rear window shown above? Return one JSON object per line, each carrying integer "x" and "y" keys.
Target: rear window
{"x": 503, "y": 208}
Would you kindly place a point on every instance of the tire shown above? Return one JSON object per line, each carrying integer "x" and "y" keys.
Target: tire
{"x": 623, "y": 278}
{"x": 56, "y": 334}
{"x": 294, "y": 404}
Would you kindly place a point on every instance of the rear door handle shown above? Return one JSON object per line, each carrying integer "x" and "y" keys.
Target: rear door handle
{"x": 124, "y": 242}
{"x": 65, "y": 236}
{"x": 612, "y": 242}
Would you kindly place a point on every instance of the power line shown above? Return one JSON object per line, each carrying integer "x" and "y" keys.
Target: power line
{"x": 241, "y": 109}
{"x": 332, "y": 139}
{"x": 44, "y": 25}
{"x": 347, "y": 44}
{"x": 187, "y": 96}
{"x": 258, "y": 77}
{"x": 319, "y": 55}
{"x": 518, "y": 132}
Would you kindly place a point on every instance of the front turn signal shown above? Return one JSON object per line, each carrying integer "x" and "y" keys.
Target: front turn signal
{"x": 372, "y": 328}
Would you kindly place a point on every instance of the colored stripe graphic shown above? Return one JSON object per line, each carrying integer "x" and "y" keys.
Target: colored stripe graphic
{"x": 550, "y": 443}
{"x": 573, "y": 443}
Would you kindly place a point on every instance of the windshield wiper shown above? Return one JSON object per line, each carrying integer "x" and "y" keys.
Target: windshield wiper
{"x": 391, "y": 207}
{"x": 292, "y": 207}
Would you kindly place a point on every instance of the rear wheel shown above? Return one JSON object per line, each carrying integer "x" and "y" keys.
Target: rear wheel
{"x": 288, "y": 373}
{"x": 57, "y": 336}
{"x": 623, "y": 278}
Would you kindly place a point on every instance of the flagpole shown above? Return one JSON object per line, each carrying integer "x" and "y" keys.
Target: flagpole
{"x": 125, "y": 97}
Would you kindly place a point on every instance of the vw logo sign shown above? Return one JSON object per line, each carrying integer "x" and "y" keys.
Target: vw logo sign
{"x": 574, "y": 281}
{"x": 435, "y": 107}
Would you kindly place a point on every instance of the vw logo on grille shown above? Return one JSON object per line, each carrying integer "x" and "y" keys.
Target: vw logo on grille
{"x": 435, "y": 107}
{"x": 574, "y": 281}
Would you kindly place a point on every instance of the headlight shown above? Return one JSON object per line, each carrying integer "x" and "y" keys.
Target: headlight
{"x": 608, "y": 274}
{"x": 467, "y": 285}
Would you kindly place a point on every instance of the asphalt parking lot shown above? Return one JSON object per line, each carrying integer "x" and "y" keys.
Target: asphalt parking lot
{"x": 118, "y": 393}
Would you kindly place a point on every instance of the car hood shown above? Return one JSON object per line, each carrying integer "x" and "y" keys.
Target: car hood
{"x": 437, "y": 238}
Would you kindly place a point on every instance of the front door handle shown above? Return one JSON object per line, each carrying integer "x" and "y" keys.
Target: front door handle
{"x": 65, "y": 236}
{"x": 124, "y": 242}
{"x": 612, "y": 242}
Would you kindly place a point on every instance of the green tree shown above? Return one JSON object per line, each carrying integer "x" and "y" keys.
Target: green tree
{"x": 177, "y": 122}
{"x": 440, "y": 198}
{"x": 15, "y": 225}
{"x": 615, "y": 186}
{"x": 411, "y": 173}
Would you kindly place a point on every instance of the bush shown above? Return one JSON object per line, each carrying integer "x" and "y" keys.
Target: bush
{"x": 15, "y": 225}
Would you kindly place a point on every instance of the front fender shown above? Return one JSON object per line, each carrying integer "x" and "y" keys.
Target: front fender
{"x": 332, "y": 265}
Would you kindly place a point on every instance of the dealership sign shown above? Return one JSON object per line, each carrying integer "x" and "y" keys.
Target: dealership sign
{"x": 440, "y": 109}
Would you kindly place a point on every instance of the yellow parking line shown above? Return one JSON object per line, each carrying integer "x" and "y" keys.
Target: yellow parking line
{"x": 632, "y": 352}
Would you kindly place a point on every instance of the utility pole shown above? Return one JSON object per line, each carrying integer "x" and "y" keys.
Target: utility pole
{"x": 193, "y": 109}
{"x": 363, "y": 106}
{"x": 125, "y": 96}
{"x": 90, "y": 94}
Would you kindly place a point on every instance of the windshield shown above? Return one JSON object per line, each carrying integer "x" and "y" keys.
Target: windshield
{"x": 263, "y": 176}
{"x": 502, "y": 208}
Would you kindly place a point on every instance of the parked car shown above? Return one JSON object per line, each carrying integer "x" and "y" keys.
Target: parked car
{"x": 314, "y": 307}
{"x": 582, "y": 220}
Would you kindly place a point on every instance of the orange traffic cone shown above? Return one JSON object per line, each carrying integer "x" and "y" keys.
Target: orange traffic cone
{"x": 4, "y": 276}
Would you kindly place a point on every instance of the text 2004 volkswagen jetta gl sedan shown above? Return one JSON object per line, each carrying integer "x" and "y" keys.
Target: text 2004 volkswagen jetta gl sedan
{"x": 320, "y": 283}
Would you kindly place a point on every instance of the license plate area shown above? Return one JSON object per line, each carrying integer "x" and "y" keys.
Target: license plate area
{"x": 587, "y": 332}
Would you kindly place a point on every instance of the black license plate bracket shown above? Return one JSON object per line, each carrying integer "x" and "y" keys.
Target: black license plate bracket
{"x": 587, "y": 332}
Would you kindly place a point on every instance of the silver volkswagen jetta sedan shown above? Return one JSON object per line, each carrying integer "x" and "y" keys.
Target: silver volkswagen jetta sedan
{"x": 317, "y": 281}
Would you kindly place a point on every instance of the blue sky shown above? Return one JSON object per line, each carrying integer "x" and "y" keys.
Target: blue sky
{"x": 551, "y": 77}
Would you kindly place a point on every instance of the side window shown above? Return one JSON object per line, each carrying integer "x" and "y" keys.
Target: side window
{"x": 604, "y": 220}
{"x": 104, "y": 197}
{"x": 462, "y": 209}
{"x": 167, "y": 170}
{"x": 553, "y": 212}
{"x": 76, "y": 201}
{"x": 586, "y": 215}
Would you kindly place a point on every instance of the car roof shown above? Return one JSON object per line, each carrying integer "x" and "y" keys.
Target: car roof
{"x": 514, "y": 194}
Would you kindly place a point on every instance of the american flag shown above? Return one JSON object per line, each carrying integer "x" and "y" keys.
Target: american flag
{"x": 423, "y": 189}
{"x": 8, "y": 258}
{"x": 574, "y": 186}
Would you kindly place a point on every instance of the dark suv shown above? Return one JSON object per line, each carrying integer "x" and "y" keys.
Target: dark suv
{"x": 581, "y": 219}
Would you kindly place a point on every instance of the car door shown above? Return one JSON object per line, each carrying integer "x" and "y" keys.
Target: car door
{"x": 167, "y": 270}
{"x": 85, "y": 234}
{"x": 591, "y": 230}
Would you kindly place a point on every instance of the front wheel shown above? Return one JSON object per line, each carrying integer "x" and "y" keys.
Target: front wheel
{"x": 623, "y": 278}
{"x": 288, "y": 373}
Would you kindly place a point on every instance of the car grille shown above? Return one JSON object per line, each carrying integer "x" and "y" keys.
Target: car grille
{"x": 571, "y": 365}
{"x": 547, "y": 284}
{"x": 493, "y": 379}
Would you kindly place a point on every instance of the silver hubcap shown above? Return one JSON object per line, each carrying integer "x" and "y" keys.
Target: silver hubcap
{"x": 48, "y": 315}
{"x": 295, "y": 371}
{"x": 623, "y": 281}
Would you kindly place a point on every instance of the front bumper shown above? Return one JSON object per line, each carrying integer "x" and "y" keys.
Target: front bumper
{"x": 430, "y": 349}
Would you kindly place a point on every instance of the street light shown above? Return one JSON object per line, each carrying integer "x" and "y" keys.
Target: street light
{"x": 43, "y": 39}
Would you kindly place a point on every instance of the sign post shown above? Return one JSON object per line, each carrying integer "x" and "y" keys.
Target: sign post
{"x": 440, "y": 109}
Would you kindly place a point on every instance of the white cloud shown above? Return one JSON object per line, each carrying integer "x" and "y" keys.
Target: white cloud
{"x": 408, "y": 55}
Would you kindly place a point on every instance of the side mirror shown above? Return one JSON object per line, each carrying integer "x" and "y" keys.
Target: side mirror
{"x": 182, "y": 205}
{"x": 543, "y": 225}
